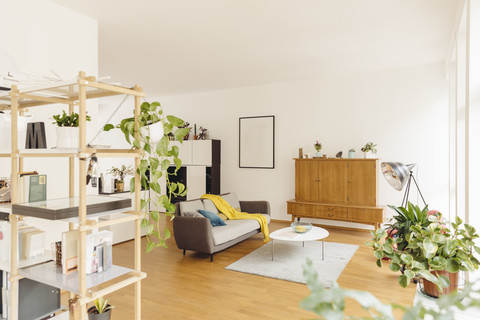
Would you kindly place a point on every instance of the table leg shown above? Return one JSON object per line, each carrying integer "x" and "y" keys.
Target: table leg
{"x": 272, "y": 249}
{"x": 323, "y": 250}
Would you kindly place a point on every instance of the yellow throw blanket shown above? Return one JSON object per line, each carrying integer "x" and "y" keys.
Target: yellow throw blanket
{"x": 233, "y": 214}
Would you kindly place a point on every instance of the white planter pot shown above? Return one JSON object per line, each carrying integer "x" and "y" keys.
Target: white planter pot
{"x": 351, "y": 154}
{"x": 318, "y": 154}
{"x": 369, "y": 155}
{"x": 67, "y": 137}
{"x": 154, "y": 131}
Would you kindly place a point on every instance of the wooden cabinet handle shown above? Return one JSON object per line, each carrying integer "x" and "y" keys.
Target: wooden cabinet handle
{"x": 331, "y": 215}
{"x": 331, "y": 209}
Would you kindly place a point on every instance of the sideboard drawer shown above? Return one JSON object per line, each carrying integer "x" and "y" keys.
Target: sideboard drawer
{"x": 327, "y": 212}
{"x": 301, "y": 209}
{"x": 365, "y": 215}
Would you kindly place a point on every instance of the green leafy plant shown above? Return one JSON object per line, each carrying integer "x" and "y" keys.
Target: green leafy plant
{"x": 330, "y": 303}
{"x": 156, "y": 158}
{"x": 65, "y": 120}
{"x": 122, "y": 172}
{"x": 370, "y": 146}
{"x": 351, "y": 150}
{"x": 101, "y": 305}
{"x": 427, "y": 247}
{"x": 317, "y": 146}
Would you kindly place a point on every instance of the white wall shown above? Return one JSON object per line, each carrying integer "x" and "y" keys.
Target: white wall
{"x": 42, "y": 36}
{"x": 404, "y": 111}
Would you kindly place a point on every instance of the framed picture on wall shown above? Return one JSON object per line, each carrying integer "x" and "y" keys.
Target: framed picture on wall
{"x": 257, "y": 142}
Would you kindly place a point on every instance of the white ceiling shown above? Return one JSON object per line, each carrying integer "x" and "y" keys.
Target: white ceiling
{"x": 179, "y": 46}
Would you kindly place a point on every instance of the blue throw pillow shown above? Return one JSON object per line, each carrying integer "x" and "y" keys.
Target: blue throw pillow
{"x": 215, "y": 220}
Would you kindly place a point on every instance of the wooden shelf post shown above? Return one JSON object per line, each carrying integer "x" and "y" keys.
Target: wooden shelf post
{"x": 138, "y": 230}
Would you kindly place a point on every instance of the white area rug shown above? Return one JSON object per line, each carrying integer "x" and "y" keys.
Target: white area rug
{"x": 289, "y": 258}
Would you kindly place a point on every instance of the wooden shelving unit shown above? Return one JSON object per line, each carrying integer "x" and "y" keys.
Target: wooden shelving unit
{"x": 71, "y": 93}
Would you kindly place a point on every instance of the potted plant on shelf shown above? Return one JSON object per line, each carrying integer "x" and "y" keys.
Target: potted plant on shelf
{"x": 351, "y": 153}
{"x": 318, "y": 147}
{"x": 369, "y": 150}
{"x": 100, "y": 310}
{"x": 67, "y": 129}
{"x": 156, "y": 158}
{"x": 423, "y": 248}
{"x": 120, "y": 174}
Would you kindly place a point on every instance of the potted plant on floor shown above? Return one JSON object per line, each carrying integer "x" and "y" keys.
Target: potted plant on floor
{"x": 369, "y": 150}
{"x": 156, "y": 158}
{"x": 67, "y": 129}
{"x": 120, "y": 174}
{"x": 429, "y": 251}
{"x": 101, "y": 310}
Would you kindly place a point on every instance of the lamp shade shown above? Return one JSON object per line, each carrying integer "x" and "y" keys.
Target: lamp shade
{"x": 396, "y": 173}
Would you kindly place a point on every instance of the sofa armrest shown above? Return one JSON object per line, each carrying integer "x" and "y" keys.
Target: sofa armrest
{"x": 255, "y": 206}
{"x": 193, "y": 233}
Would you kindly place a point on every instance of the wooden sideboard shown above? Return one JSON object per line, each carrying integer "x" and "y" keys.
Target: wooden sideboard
{"x": 337, "y": 189}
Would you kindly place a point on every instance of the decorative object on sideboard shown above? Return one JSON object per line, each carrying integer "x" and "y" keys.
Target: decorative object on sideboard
{"x": 300, "y": 153}
{"x": 369, "y": 150}
{"x": 92, "y": 171}
{"x": 120, "y": 174}
{"x": 36, "y": 136}
{"x": 339, "y": 155}
{"x": 399, "y": 175}
{"x": 257, "y": 142}
{"x": 67, "y": 129}
{"x": 203, "y": 135}
{"x": 101, "y": 310}
{"x": 318, "y": 146}
{"x": 324, "y": 156}
{"x": 351, "y": 153}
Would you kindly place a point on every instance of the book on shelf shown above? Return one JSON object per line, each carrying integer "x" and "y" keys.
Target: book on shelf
{"x": 33, "y": 186}
{"x": 33, "y": 244}
{"x": 69, "y": 251}
{"x": 99, "y": 251}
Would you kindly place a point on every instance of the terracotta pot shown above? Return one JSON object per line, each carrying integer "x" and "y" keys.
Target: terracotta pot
{"x": 120, "y": 185}
{"x": 99, "y": 316}
{"x": 429, "y": 288}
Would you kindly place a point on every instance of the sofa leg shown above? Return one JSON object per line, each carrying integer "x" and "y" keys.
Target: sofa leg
{"x": 184, "y": 250}
{"x": 211, "y": 257}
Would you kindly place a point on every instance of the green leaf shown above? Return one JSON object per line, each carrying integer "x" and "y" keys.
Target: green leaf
{"x": 444, "y": 281}
{"x": 409, "y": 273}
{"x": 154, "y": 105}
{"x": 180, "y": 133}
{"x": 136, "y": 144}
{"x": 177, "y": 122}
{"x": 143, "y": 203}
{"x": 178, "y": 163}
{"x": 427, "y": 275}
{"x": 150, "y": 246}
{"x": 403, "y": 280}
{"x": 175, "y": 151}
{"x": 167, "y": 233}
{"x": 430, "y": 247}
{"x": 132, "y": 185}
{"x": 154, "y": 163}
{"x": 145, "y": 223}
{"x": 155, "y": 215}
{"x": 155, "y": 187}
{"x": 181, "y": 187}
{"x": 387, "y": 248}
{"x": 108, "y": 127}
{"x": 147, "y": 148}
{"x": 379, "y": 263}
{"x": 162, "y": 147}
{"x": 395, "y": 267}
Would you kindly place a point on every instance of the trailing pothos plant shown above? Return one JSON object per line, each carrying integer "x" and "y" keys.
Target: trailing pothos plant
{"x": 156, "y": 158}
{"x": 428, "y": 248}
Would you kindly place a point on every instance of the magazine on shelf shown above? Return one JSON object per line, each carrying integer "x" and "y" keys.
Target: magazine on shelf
{"x": 99, "y": 251}
{"x": 69, "y": 251}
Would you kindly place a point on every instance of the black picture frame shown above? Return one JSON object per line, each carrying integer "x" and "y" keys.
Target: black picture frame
{"x": 256, "y": 142}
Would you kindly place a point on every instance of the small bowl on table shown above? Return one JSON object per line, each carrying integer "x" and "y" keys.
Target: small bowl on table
{"x": 301, "y": 227}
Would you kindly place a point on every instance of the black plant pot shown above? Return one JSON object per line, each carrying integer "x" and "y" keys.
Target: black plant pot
{"x": 99, "y": 316}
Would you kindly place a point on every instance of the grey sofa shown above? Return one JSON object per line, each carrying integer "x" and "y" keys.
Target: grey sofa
{"x": 194, "y": 232}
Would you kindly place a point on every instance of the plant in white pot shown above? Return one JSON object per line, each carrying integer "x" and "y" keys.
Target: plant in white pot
{"x": 101, "y": 310}
{"x": 120, "y": 174}
{"x": 369, "y": 150}
{"x": 318, "y": 146}
{"x": 67, "y": 129}
{"x": 351, "y": 153}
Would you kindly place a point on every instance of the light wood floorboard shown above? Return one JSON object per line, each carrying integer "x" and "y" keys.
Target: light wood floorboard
{"x": 191, "y": 287}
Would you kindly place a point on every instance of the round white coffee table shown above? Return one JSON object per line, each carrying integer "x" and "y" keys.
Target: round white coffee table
{"x": 287, "y": 234}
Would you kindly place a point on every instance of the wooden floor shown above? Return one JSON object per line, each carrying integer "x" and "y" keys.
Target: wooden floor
{"x": 191, "y": 287}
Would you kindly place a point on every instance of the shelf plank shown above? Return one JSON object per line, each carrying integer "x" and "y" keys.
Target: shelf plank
{"x": 134, "y": 277}
{"x": 124, "y": 217}
{"x": 73, "y": 152}
{"x": 48, "y": 273}
{"x": 24, "y": 263}
{"x": 65, "y": 208}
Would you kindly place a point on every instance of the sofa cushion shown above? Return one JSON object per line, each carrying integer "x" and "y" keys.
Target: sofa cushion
{"x": 191, "y": 206}
{"x": 215, "y": 220}
{"x": 232, "y": 200}
{"x": 192, "y": 214}
{"x": 208, "y": 204}
{"x": 233, "y": 229}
